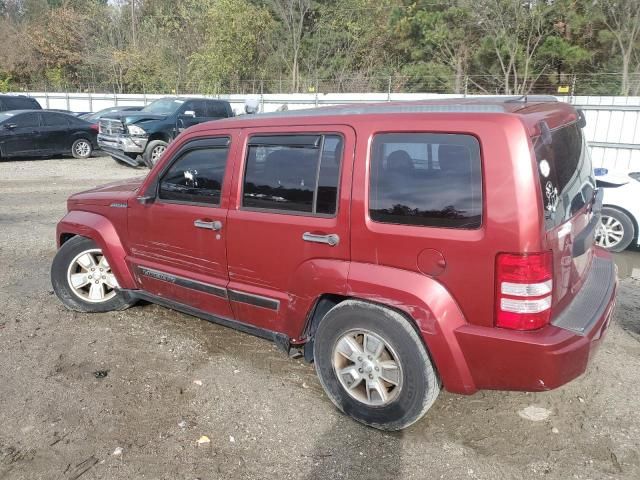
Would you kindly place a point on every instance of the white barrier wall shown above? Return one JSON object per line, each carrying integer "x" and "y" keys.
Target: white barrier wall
{"x": 613, "y": 123}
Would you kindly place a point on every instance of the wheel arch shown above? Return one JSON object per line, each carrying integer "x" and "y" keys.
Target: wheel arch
{"x": 423, "y": 301}
{"x": 99, "y": 229}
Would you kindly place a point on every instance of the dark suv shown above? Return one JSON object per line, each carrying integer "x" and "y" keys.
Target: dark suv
{"x": 142, "y": 137}
{"x": 18, "y": 102}
{"x": 401, "y": 247}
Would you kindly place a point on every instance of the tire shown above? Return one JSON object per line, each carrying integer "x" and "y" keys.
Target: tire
{"x": 416, "y": 384}
{"x": 153, "y": 152}
{"x": 81, "y": 148}
{"x": 616, "y": 231}
{"x": 65, "y": 264}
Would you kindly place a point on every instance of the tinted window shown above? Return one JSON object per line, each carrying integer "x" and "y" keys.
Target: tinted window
{"x": 566, "y": 174}
{"x": 196, "y": 176}
{"x": 54, "y": 120}
{"x": 291, "y": 175}
{"x": 217, "y": 109}
{"x": 27, "y": 120}
{"x": 196, "y": 106}
{"x": 426, "y": 179}
{"x": 20, "y": 103}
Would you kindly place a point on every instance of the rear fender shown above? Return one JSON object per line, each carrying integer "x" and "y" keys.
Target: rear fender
{"x": 99, "y": 229}
{"x": 434, "y": 311}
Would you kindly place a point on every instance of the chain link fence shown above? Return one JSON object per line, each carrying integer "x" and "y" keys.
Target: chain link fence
{"x": 553, "y": 84}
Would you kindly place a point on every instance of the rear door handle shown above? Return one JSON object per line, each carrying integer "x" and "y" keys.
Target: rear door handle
{"x": 331, "y": 239}
{"x": 214, "y": 225}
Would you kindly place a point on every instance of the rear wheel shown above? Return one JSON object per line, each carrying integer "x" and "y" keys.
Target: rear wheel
{"x": 374, "y": 366}
{"x": 81, "y": 148}
{"x": 153, "y": 152}
{"x": 82, "y": 278}
{"x": 616, "y": 230}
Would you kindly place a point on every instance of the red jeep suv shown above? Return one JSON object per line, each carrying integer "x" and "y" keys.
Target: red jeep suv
{"x": 402, "y": 247}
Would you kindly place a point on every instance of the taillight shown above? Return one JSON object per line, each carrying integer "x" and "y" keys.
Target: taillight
{"x": 95, "y": 127}
{"x": 524, "y": 286}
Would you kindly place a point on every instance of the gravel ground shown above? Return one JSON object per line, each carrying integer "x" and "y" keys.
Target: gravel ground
{"x": 172, "y": 378}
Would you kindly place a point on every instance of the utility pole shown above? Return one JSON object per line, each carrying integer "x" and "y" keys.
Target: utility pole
{"x": 133, "y": 22}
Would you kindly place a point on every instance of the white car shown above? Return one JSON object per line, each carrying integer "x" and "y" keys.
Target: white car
{"x": 621, "y": 209}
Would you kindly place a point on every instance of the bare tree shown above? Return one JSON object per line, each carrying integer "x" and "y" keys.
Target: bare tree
{"x": 515, "y": 30}
{"x": 622, "y": 18}
{"x": 293, "y": 14}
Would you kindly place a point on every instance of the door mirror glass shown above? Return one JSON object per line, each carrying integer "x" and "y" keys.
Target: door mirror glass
{"x": 190, "y": 113}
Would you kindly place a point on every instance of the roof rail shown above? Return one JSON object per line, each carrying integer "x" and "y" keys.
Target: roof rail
{"x": 532, "y": 98}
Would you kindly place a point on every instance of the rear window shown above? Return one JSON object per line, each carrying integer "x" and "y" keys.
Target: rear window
{"x": 566, "y": 174}
{"x": 20, "y": 103}
{"x": 426, "y": 179}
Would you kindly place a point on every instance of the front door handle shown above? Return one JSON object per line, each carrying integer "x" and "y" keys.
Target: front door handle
{"x": 209, "y": 225}
{"x": 331, "y": 239}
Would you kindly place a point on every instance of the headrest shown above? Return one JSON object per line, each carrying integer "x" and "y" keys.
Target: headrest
{"x": 454, "y": 159}
{"x": 400, "y": 161}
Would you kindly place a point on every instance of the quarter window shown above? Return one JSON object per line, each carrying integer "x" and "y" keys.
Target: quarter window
{"x": 295, "y": 173}
{"x": 426, "y": 179}
{"x": 196, "y": 177}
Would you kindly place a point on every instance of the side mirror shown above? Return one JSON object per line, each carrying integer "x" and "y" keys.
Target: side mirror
{"x": 146, "y": 199}
{"x": 10, "y": 126}
{"x": 190, "y": 113}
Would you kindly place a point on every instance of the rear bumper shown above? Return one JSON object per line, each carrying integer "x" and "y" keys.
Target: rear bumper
{"x": 501, "y": 359}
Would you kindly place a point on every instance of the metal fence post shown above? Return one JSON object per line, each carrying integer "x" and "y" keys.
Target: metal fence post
{"x": 389, "y": 90}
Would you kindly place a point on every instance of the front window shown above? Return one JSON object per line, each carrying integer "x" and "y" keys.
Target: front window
{"x": 426, "y": 179}
{"x": 164, "y": 106}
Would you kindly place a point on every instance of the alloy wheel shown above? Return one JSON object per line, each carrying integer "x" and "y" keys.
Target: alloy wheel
{"x": 90, "y": 277}
{"x": 367, "y": 367}
{"x": 610, "y": 232}
{"x": 156, "y": 153}
{"x": 82, "y": 148}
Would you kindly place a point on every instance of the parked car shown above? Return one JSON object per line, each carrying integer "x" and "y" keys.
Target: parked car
{"x": 44, "y": 133}
{"x": 142, "y": 137}
{"x": 621, "y": 211}
{"x": 94, "y": 117}
{"x": 18, "y": 102}
{"x": 401, "y": 247}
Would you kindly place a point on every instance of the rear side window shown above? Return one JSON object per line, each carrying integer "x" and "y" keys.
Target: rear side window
{"x": 566, "y": 174}
{"x": 217, "y": 110}
{"x": 426, "y": 179}
{"x": 54, "y": 120}
{"x": 195, "y": 177}
{"x": 293, "y": 173}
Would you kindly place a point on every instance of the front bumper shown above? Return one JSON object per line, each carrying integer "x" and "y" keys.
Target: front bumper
{"x": 500, "y": 359}
{"x": 119, "y": 145}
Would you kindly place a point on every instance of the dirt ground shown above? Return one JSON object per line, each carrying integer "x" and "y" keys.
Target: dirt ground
{"x": 265, "y": 415}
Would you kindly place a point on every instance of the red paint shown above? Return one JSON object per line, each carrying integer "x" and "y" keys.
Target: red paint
{"x": 443, "y": 279}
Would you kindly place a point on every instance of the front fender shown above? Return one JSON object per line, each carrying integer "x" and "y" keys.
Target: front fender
{"x": 430, "y": 305}
{"x": 99, "y": 229}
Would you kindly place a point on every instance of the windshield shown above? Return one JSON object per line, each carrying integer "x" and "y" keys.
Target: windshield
{"x": 566, "y": 174}
{"x": 163, "y": 106}
{"x": 5, "y": 115}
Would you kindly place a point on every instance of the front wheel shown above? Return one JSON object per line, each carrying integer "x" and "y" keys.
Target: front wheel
{"x": 153, "y": 152}
{"x": 82, "y": 278}
{"x": 373, "y": 365}
{"x": 616, "y": 230}
{"x": 81, "y": 148}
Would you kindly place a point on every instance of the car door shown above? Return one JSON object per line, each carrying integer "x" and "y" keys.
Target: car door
{"x": 191, "y": 113}
{"x": 54, "y": 133}
{"x": 288, "y": 233}
{"x": 21, "y": 135}
{"x": 177, "y": 242}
